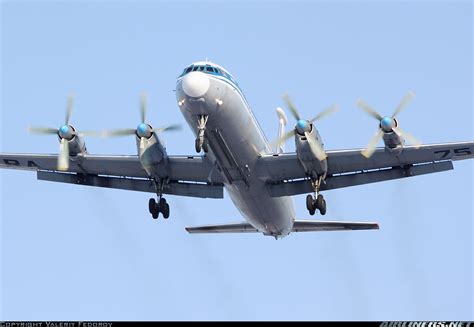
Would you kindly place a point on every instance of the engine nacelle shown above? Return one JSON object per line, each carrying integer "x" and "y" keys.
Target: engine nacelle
{"x": 152, "y": 156}
{"x": 393, "y": 141}
{"x": 312, "y": 166}
{"x": 77, "y": 145}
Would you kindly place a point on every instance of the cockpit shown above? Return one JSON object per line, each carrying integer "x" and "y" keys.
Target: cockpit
{"x": 208, "y": 69}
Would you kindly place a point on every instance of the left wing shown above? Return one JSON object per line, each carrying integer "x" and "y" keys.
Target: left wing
{"x": 286, "y": 176}
{"x": 188, "y": 176}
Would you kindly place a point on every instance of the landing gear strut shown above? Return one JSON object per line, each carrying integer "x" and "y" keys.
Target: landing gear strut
{"x": 201, "y": 141}
{"x": 155, "y": 207}
{"x": 317, "y": 201}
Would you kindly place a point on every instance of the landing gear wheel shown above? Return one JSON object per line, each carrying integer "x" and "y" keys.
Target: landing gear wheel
{"x": 198, "y": 145}
{"x": 166, "y": 212}
{"x": 319, "y": 201}
{"x": 151, "y": 205}
{"x": 153, "y": 208}
{"x": 322, "y": 209}
{"x": 312, "y": 211}
{"x": 309, "y": 202}
{"x": 205, "y": 146}
{"x": 162, "y": 205}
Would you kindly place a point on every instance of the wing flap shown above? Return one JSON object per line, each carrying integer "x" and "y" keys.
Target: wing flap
{"x": 324, "y": 226}
{"x": 303, "y": 186}
{"x": 196, "y": 190}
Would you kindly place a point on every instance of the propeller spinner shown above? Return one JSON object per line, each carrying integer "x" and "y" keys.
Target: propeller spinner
{"x": 387, "y": 124}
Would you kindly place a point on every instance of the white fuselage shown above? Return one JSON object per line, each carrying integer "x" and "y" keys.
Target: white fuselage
{"x": 235, "y": 143}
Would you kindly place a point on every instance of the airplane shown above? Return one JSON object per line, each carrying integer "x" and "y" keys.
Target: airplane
{"x": 233, "y": 153}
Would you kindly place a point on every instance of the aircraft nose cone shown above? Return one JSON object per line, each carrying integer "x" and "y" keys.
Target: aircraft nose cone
{"x": 195, "y": 84}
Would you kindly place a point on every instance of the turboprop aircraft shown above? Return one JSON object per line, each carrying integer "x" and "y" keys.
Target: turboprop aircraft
{"x": 233, "y": 153}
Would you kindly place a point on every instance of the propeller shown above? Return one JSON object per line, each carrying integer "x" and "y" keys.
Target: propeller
{"x": 387, "y": 124}
{"x": 303, "y": 126}
{"x": 144, "y": 130}
{"x": 65, "y": 133}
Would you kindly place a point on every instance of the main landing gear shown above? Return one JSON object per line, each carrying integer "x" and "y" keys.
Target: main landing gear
{"x": 156, "y": 207}
{"x": 317, "y": 201}
{"x": 201, "y": 143}
{"x": 161, "y": 206}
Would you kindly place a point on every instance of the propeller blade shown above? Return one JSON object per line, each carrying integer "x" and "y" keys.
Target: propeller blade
{"x": 170, "y": 128}
{"x": 285, "y": 137}
{"x": 118, "y": 132}
{"x": 369, "y": 150}
{"x": 327, "y": 112}
{"x": 92, "y": 133}
{"x": 63, "y": 157}
{"x": 368, "y": 109}
{"x": 315, "y": 147}
{"x": 143, "y": 107}
{"x": 142, "y": 146}
{"x": 406, "y": 100}
{"x": 69, "y": 105}
{"x": 410, "y": 138}
{"x": 291, "y": 106}
{"x": 42, "y": 130}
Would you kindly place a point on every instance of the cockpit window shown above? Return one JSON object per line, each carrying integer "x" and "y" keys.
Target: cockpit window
{"x": 189, "y": 69}
{"x": 209, "y": 69}
{"x": 195, "y": 68}
{"x": 201, "y": 68}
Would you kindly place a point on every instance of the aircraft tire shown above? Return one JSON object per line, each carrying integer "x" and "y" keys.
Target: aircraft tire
{"x": 166, "y": 212}
{"x": 309, "y": 202}
{"x": 322, "y": 210}
{"x": 197, "y": 145}
{"x": 205, "y": 146}
{"x": 162, "y": 205}
{"x": 319, "y": 202}
{"x": 151, "y": 205}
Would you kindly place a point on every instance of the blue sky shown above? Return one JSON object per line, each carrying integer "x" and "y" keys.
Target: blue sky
{"x": 70, "y": 252}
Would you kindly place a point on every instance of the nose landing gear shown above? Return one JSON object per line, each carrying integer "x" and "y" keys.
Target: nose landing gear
{"x": 201, "y": 142}
{"x": 317, "y": 201}
{"x": 160, "y": 206}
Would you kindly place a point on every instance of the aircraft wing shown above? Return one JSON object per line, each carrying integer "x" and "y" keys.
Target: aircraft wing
{"x": 188, "y": 176}
{"x": 286, "y": 176}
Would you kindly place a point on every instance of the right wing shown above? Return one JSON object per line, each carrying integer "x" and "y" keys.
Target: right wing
{"x": 188, "y": 176}
{"x": 285, "y": 176}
